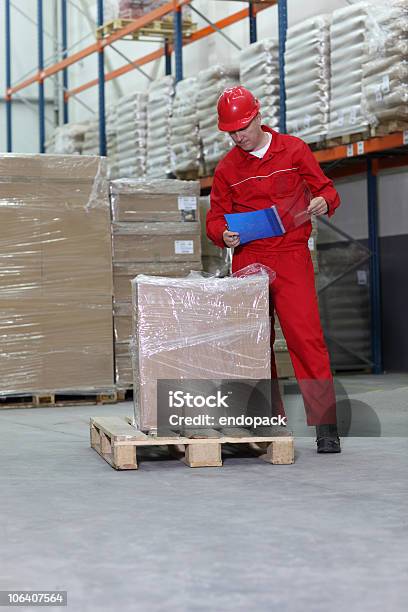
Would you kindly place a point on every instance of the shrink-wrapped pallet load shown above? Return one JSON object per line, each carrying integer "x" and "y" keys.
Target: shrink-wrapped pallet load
{"x": 184, "y": 137}
{"x": 131, "y": 134}
{"x": 307, "y": 101}
{"x": 197, "y": 328}
{"x": 159, "y": 110}
{"x": 55, "y": 275}
{"x": 348, "y": 54}
{"x": 259, "y": 72}
{"x": 91, "y": 139}
{"x": 385, "y": 73}
{"x": 211, "y": 83}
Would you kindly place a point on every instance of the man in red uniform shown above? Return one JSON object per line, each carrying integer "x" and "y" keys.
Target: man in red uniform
{"x": 266, "y": 168}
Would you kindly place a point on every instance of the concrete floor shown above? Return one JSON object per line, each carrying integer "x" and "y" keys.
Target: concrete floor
{"x": 327, "y": 533}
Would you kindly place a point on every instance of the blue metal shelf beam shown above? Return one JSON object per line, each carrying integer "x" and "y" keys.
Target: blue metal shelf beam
{"x": 8, "y": 77}
{"x": 283, "y": 26}
{"x": 64, "y": 47}
{"x": 178, "y": 43}
{"x": 101, "y": 88}
{"x": 253, "y": 35}
{"x": 41, "y": 98}
{"x": 375, "y": 284}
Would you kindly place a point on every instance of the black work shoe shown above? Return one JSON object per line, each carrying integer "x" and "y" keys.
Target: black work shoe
{"x": 327, "y": 439}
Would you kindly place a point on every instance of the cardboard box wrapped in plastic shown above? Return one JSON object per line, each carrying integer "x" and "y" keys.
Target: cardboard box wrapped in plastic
{"x": 197, "y": 328}
{"x": 156, "y": 242}
{"x": 154, "y": 200}
{"x": 55, "y": 274}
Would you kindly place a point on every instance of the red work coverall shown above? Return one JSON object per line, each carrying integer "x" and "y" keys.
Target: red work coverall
{"x": 243, "y": 183}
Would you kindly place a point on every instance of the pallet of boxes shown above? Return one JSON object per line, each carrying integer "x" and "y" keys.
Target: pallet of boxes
{"x": 284, "y": 365}
{"x": 155, "y": 231}
{"x": 202, "y": 336}
{"x": 55, "y": 281}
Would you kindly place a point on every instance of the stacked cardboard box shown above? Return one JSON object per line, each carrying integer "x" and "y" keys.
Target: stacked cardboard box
{"x": 197, "y": 328}
{"x": 156, "y": 231}
{"x": 55, "y": 275}
{"x": 280, "y": 348}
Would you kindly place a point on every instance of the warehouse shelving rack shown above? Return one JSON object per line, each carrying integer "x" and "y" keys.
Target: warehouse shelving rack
{"x": 370, "y": 156}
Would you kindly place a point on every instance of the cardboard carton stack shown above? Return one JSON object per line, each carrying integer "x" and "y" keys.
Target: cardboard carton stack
{"x": 197, "y": 328}
{"x": 156, "y": 231}
{"x": 55, "y": 275}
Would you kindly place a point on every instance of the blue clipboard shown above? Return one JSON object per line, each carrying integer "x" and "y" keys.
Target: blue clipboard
{"x": 264, "y": 223}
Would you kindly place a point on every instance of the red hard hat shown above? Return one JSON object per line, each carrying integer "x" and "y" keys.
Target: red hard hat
{"x": 236, "y": 109}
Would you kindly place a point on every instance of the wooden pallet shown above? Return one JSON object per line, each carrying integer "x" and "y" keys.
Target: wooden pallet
{"x": 348, "y": 139}
{"x": 124, "y": 394}
{"x": 116, "y": 440}
{"x": 188, "y": 175}
{"x": 57, "y": 398}
{"x": 162, "y": 28}
{"x": 388, "y": 127}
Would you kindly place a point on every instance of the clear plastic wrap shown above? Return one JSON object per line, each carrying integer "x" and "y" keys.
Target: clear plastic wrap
{"x": 259, "y": 72}
{"x": 132, "y": 9}
{"x": 348, "y": 54}
{"x": 156, "y": 242}
{"x": 55, "y": 274}
{"x": 385, "y": 73}
{"x": 159, "y": 110}
{"x": 212, "y": 82}
{"x": 307, "y": 103}
{"x": 131, "y": 134}
{"x": 184, "y": 137}
{"x": 197, "y": 328}
{"x": 154, "y": 200}
{"x": 123, "y": 273}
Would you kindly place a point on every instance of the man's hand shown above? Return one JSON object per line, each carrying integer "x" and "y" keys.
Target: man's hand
{"x": 231, "y": 239}
{"x": 318, "y": 206}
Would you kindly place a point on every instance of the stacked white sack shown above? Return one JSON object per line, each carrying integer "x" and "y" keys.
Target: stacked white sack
{"x": 385, "y": 74}
{"x": 159, "y": 110}
{"x": 111, "y": 142}
{"x": 131, "y": 124}
{"x": 307, "y": 100}
{"x": 259, "y": 72}
{"x": 67, "y": 139}
{"x": 211, "y": 83}
{"x": 348, "y": 54}
{"x": 184, "y": 138}
{"x": 91, "y": 139}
